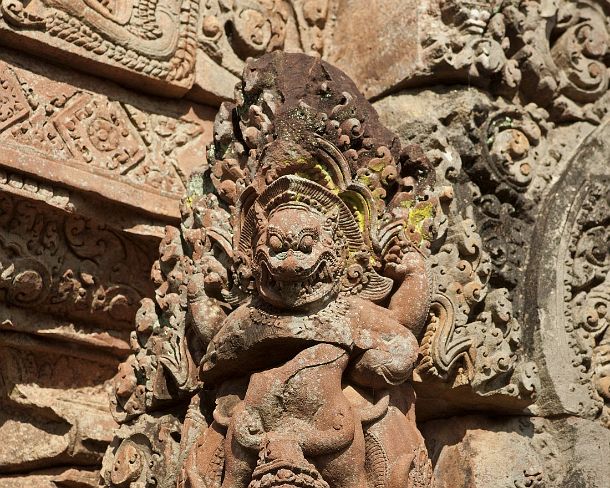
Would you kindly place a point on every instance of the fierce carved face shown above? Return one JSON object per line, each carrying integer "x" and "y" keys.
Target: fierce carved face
{"x": 297, "y": 258}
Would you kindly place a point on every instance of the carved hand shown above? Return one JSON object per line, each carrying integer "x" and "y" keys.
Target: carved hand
{"x": 390, "y": 350}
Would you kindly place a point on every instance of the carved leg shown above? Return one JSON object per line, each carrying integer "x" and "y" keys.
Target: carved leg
{"x": 203, "y": 466}
{"x": 239, "y": 463}
{"x": 345, "y": 469}
{"x": 395, "y": 442}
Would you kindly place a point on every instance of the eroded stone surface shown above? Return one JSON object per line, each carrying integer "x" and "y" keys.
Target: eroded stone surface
{"x": 78, "y": 132}
{"x": 283, "y": 330}
{"x": 147, "y": 44}
{"x": 517, "y": 250}
{"x": 471, "y": 452}
{"x": 81, "y": 478}
{"x": 69, "y": 291}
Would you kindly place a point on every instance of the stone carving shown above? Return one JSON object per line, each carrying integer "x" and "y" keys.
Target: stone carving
{"x": 150, "y": 42}
{"x": 472, "y": 349}
{"x": 14, "y": 104}
{"x": 463, "y": 348}
{"x": 137, "y": 448}
{"x": 588, "y": 295}
{"x": 69, "y": 265}
{"x": 302, "y": 371}
{"x": 67, "y": 300}
{"x": 569, "y": 263}
{"x": 551, "y": 53}
{"x": 91, "y": 138}
{"x": 233, "y": 31}
{"x": 60, "y": 429}
{"x": 69, "y": 290}
{"x": 510, "y": 337}
{"x": 260, "y": 355}
{"x": 510, "y": 177}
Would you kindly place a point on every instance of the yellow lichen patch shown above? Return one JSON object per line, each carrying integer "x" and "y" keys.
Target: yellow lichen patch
{"x": 417, "y": 217}
{"x": 378, "y": 166}
{"x": 317, "y": 173}
{"x": 364, "y": 179}
{"x": 327, "y": 177}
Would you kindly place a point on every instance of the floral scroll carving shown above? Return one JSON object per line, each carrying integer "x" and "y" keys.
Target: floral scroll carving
{"x": 588, "y": 295}
{"x": 120, "y": 145}
{"x": 553, "y": 53}
{"x": 472, "y": 348}
{"x": 68, "y": 265}
{"x": 233, "y": 31}
{"x": 156, "y": 39}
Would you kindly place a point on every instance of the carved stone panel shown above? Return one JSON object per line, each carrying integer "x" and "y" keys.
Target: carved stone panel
{"x": 472, "y": 349}
{"x": 70, "y": 266}
{"x": 93, "y": 137}
{"x": 568, "y": 309}
{"x": 147, "y": 44}
{"x": 69, "y": 289}
{"x": 331, "y": 272}
{"x": 284, "y": 330}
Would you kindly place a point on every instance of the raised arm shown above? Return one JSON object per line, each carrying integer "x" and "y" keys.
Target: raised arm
{"x": 410, "y": 302}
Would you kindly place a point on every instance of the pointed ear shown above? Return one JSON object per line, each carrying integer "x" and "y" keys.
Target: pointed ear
{"x": 260, "y": 216}
{"x": 332, "y": 219}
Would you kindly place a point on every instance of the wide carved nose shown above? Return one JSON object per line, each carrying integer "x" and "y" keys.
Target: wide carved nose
{"x": 290, "y": 267}
{"x": 292, "y": 263}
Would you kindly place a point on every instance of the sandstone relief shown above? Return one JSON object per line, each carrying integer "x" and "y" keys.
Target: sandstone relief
{"x": 76, "y": 136}
{"x": 67, "y": 299}
{"x": 293, "y": 330}
{"x": 309, "y": 290}
{"x": 146, "y": 42}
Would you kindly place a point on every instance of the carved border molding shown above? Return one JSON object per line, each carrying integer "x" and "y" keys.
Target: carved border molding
{"x": 150, "y": 44}
{"x": 121, "y": 146}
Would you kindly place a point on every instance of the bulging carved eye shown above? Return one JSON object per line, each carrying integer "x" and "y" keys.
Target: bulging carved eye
{"x": 306, "y": 244}
{"x": 276, "y": 244}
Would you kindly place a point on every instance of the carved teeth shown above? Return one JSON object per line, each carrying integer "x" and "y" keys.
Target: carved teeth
{"x": 313, "y": 284}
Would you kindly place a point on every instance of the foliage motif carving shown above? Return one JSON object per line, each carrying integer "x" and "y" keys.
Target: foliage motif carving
{"x": 14, "y": 104}
{"x": 553, "y": 53}
{"x": 123, "y": 141}
{"x": 156, "y": 39}
{"x": 68, "y": 265}
{"x": 588, "y": 295}
{"x": 472, "y": 346}
{"x": 233, "y": 31}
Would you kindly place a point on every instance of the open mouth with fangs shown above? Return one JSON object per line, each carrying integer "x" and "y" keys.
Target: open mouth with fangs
{"x": 308, "y": 288}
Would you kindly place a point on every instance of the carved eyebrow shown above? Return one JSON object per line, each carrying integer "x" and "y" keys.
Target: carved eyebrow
{"x": 308, "y": 231}
{"x": 275, "y": 231}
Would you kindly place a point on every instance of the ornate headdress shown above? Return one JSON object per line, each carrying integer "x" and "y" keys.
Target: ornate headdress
{"x": 336, "y": 152}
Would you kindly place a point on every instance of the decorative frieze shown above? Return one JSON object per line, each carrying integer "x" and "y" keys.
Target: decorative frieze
{"x": 118, "y": 145}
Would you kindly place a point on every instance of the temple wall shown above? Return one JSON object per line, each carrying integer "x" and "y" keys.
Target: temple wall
{"x": 106, "y": 108}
